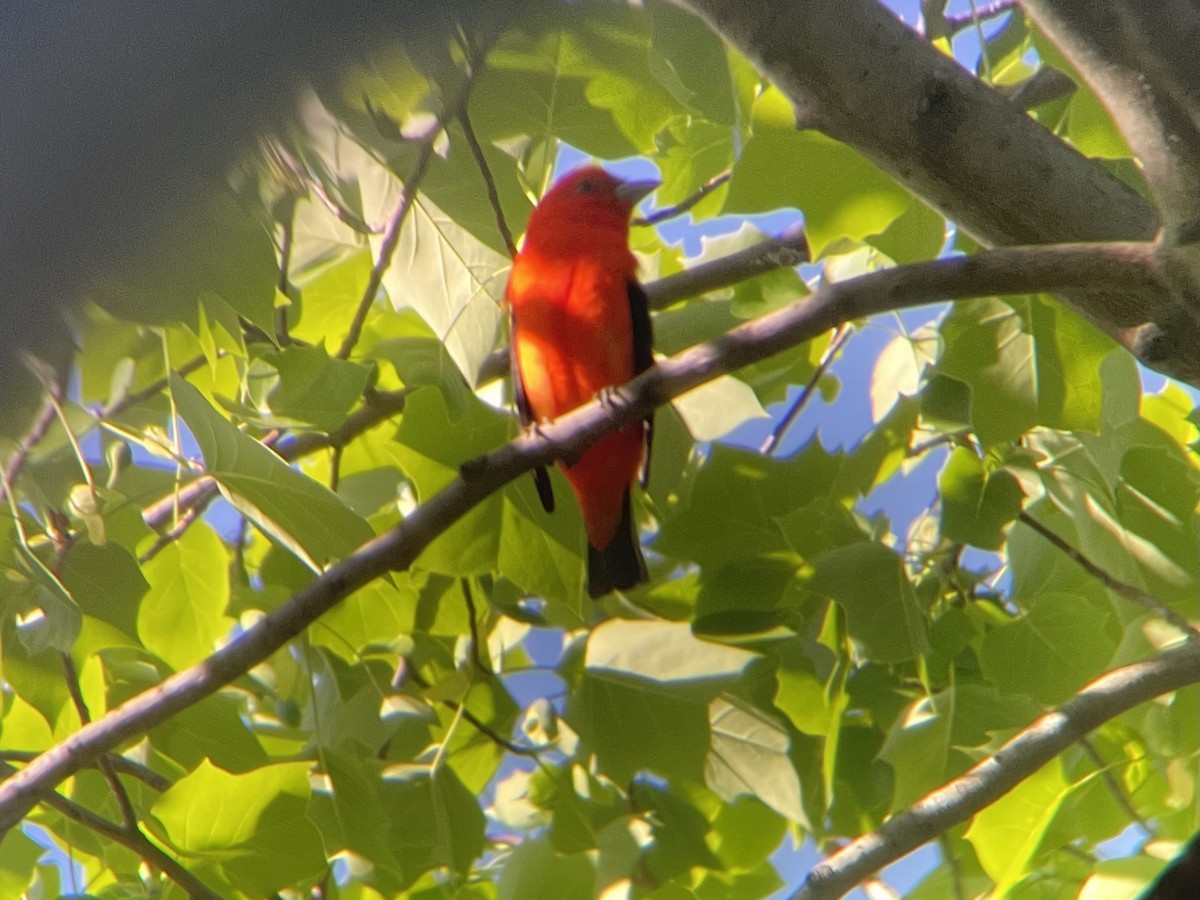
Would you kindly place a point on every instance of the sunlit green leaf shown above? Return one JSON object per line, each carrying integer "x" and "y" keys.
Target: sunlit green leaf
{"x": 1051, "y": 651}
{"x": 253, "y": 825}
{"x": 305, "y": 516}
{"x": 1006, "y": 834}
{"x": 183, "y": 615}
{"x": 840, "y": 193}
{"x": 976, "y": 505}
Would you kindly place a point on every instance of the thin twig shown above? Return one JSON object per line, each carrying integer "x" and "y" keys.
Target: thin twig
{"x": 55, "y": 396}
{"x": 119, "y": 763}
{"x": 840, "y": 337}
{"x": 71, "y": 676}
{"x": 132, "y": 839}
{"x": 32, "y": 437}
{"x": 123, "y": 403}
{"x": 670, "y": 212}
{"x": 479, "y": 725}
{"x": 388, "y": 245}
{"x": 335, "y": 469}
{"x": 1114, "y": 787}
{"x": 190, "y": 514}
{"x": 1120, "y": 588}
{"x": 391, "y": 237}
{"x": 287, "y": 232}
{"x": 489, "y": 182}
{"x": 408, "y": 195}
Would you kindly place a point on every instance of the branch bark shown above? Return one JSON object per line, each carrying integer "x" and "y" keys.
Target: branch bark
{"x": 1013, "y": 270}
{"x": 1140, "y": 58}
{"x": 1108, "y": 696}
{"x": 855, "y": 72}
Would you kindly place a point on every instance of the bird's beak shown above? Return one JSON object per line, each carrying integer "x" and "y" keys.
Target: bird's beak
{"x": 635, "y": 191}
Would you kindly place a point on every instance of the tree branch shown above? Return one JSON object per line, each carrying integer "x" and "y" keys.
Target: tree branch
{"x": 488, "y": 181}
{"x": 956, "y": 801}
{"x": 1014, "y": 270}
{"x": 670, "y": 212}
{"x": 131, "y": 838}
{"x": 1122, "y": 589}
{"x": 960, "y": 146}
{"x": 1140, "y": 58}
{"x": 391, "y": 237}
{"x": 771, "y": 444}
{"x": 118, "y": 763}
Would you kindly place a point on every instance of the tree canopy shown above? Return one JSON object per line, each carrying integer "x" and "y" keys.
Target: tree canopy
{"x": 283, "y": 615}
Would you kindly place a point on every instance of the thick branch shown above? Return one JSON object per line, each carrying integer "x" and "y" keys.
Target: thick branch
{"x": 854, "y": 71}
{"x": 1014, "y": 270}
{"x": 1140, "y": 58}
{"x": 931, "y": 125}
{"x": 1106, "y": 697}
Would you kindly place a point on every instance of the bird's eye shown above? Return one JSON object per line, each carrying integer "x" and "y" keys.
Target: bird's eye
{"x": 587, "y": 186}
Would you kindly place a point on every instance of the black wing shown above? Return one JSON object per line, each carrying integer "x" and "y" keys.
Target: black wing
{"x": 541, "y": 478}
{"x": 643, "y": 358}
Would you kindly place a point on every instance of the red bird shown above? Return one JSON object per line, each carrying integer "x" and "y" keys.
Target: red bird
{"x": 581, "y": 324}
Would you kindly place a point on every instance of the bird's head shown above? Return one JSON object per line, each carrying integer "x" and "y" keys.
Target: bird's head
{"x": 589, "y": 201}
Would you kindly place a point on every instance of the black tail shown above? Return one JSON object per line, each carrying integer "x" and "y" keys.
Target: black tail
{"x": 620, "y": 565}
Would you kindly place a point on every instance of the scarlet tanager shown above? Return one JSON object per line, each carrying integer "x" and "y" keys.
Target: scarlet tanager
{"x": 581, "y": 324}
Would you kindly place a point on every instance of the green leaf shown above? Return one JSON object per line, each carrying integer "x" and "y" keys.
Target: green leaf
{"x": 585, "y": 80}
{"x": 402, "y": 818}
{"x": 18, "y": 862}
{"x": 210, "y": 730}
{"x": 976, "y": 505}
{"x": 918, "y": 750}
{"x": 432, "y": 447}
{"x": 543, "y": 553}
{"x": 306, "y": 517}
{"x": 314, "y": 388}
{"x": 923, "y": 744}
{"x": 1027, "y": 362}
{"x": 733, "y": 507}
{"x": 746, "y": 595}
{"x": 868, "y": 581}
{"x": 34, "y": 676}
{"x": 840, "y": 193}
{"x": 643, "y": 703}
{"x": 916, "y": 234}
{"x": 252, "y": 825}
{"x": 182, "y": 617}
{"x": 107, "y": 583}
{"x": 713, "y": 410}
{"x": 1006, "y": 835}
{"x": 1051, "y": 651}
{"x": 455, "y": 281}
{"x": 679, "y": 828}
{"x": 665, "y": 655}
{"x": 533, "y": 871}
{"x": 749, "y": 755}
{"x": 690, "y": 60}
{"x": 372, "y": 616}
